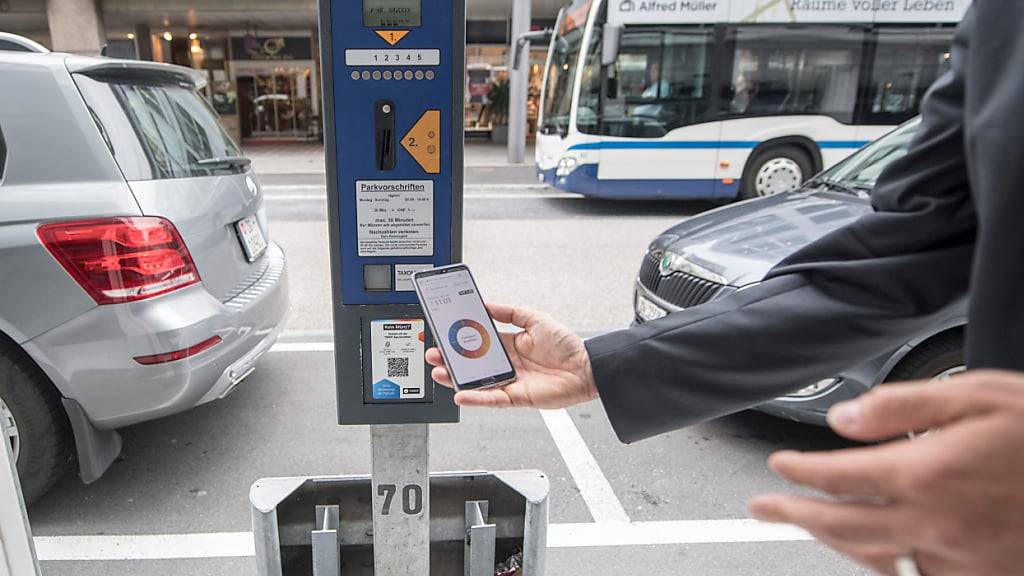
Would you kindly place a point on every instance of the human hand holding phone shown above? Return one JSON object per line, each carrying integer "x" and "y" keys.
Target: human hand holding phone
{"x": 552, "y": 365}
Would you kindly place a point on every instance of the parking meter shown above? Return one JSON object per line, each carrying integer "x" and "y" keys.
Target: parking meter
{"x": 393, "y": 77}
{"x": 393, "y": 74}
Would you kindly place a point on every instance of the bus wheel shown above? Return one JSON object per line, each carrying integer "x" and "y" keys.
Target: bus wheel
{"x": 777, "y": 169}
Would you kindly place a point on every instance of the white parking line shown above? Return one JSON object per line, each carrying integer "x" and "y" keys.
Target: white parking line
{"x": 672, "y": 532}
{"x": 240, "y": 544}
{"x": 303, "y": 347}
{"x": 328, "y": 346}
{"x": 491, "y": 196}
{"x": 473, "y": 186}
{"x": 597, "y": 493}
{"x": 146, "y": 546}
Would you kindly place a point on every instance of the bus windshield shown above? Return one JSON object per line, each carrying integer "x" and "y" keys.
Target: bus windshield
{"x": 565, "y": 50}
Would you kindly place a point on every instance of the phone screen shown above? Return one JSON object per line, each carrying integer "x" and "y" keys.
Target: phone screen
{"x": 463, "y": 328}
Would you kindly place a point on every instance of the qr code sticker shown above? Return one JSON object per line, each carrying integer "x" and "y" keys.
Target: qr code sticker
{"x": 398, "y": 367}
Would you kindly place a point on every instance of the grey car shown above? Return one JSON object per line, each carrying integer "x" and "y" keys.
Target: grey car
{"x": 731, "y": 248}
{"x": 137, "y": 275}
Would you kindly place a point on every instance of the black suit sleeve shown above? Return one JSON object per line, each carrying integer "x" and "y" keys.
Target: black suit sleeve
{"x": 855, "y": 293}
{"x": 995, "y": 153}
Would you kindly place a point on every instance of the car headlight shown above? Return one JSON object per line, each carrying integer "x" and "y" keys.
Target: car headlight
{"x": 565, "y": 166}
{"x": 672, "y": 262}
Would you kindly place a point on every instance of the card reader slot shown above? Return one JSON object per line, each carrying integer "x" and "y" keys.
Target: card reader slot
{"x": 384, "y": 128}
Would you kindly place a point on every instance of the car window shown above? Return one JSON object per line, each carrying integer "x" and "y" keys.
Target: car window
{"x": 8, "y": 46}
{"x": 862, "y": 170}
{"x": 158, "y": 130}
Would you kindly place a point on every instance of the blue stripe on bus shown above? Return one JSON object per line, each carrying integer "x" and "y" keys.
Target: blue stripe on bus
{"x": 702, "y": 145}
{"x": 583, "y": 180}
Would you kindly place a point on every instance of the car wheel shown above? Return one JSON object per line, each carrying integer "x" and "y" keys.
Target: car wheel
{"x": 935, "y": 359}
{"x": 34, "y": 423}
{"x": 775, "y": 170}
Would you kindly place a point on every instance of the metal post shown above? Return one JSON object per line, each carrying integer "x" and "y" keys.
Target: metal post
{"x": 480, "y": 540}
{"x": 519, "y": 80}
{"x": 401, "y": 499}
{"x": 17, "y": 551}
{"x": 327, "y": 541}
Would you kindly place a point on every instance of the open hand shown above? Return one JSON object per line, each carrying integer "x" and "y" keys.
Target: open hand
{"x": 953, "y": 499}
{"x": 551, "y": 363}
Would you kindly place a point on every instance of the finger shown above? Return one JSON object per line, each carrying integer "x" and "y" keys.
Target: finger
{"x": 433, "y": 357}
{"x": 873, "y": 471}
{"x": 486, "y": 398}
{"x": 861, "y": 524}
{"x": 896, "y": 409}
{"x": 508, "y": 340}
{"x": 440, "y": 375}
{"x": 521, "y": 317}
{"x": 881, "y": 559}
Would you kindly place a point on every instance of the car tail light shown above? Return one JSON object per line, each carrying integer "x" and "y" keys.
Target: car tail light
{"x": 179, "y": 354}
{"x": 121, "y": 259}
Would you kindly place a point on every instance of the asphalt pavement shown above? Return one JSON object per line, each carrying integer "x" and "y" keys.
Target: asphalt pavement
{"x": 671, "y": 505}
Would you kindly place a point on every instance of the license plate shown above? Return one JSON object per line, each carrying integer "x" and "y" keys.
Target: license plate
{"x": 648, "y": 310}
{"x": 251, "y": 237}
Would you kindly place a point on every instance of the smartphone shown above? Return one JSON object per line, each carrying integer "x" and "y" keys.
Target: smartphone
{"x": 463, "y": 330}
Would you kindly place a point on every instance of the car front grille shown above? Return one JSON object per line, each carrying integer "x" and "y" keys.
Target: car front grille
{"x": 679, "y": 289}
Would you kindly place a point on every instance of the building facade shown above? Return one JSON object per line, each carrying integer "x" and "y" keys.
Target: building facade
{"x": 261, "y": 57}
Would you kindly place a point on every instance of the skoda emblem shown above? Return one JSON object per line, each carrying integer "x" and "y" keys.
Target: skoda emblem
{"x": 664, "y": 263}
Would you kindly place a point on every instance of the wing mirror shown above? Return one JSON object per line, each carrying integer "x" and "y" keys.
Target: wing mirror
{"x": 611, "y": 38}
{"x": 526, "y": 38}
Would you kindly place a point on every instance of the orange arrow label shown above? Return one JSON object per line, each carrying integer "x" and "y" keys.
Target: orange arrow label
{"x": 391, "y": 36}
{"x": 423, "y": 141}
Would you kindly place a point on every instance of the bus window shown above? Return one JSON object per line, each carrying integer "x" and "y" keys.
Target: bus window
{"x": 906, "y": 63}
{"x": 565, "y": 51}
{"x": 808, "y": 71}
{"x": 685, "y": 78}
{"x": 590, "y": 87}
{"x": 660, "y": 83}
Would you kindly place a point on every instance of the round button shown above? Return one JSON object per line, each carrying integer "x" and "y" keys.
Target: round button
{"x": 387, "y": 74}
{"x": 366, "y": 75}
{"x": 355, "y": 75}
{"x": 430, "y": 74}
{"x": 376, "y": 74}
{"x": 408, "y": 74}
{"x": 419, "y": 74}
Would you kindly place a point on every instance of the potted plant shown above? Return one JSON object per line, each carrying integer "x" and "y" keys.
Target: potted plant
{"x": 498, "y": 98}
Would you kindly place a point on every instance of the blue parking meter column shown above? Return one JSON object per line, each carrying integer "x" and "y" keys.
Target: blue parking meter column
{"x": 393, "y": 73}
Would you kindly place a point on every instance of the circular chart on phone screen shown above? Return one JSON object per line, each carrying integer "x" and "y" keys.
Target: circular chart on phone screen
{"x": 469, "y": 338}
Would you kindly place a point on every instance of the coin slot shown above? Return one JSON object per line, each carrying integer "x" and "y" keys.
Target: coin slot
{"x": 384, "y": 122}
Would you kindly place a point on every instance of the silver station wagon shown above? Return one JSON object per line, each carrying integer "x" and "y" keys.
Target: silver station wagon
{"x": 137, "y": 279}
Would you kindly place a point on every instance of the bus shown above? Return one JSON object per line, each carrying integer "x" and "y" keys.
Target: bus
{"x": 720, "y": 99}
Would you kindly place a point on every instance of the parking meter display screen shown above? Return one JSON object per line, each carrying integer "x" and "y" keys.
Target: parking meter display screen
{"x": 391, "y": 13}
{"x": 462, "y": 327}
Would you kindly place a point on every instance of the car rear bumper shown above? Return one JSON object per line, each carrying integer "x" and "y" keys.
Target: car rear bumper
{"x": 91, "y": 359}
